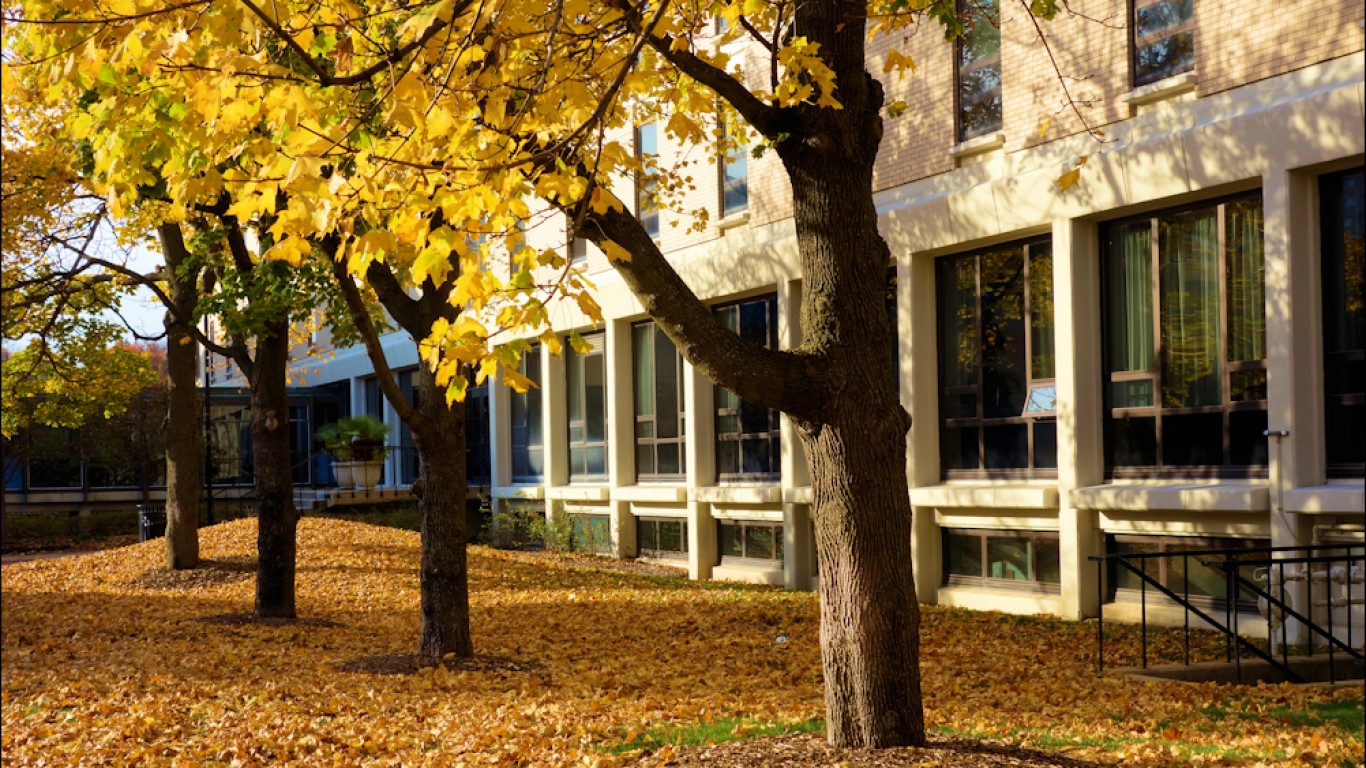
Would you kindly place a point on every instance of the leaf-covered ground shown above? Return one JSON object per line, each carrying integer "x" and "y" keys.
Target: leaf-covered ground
{"x": 108, "y": 660}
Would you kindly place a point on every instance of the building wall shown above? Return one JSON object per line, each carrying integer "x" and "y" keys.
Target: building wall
{"x": 1269, "y": 108}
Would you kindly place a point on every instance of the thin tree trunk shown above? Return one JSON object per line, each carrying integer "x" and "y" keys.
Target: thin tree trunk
{"x": 184, "y": 458}
{"x": 276, "y": 518}
{"x": 441, "y": 489}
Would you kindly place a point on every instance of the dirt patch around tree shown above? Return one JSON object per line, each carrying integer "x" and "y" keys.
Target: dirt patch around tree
{"x": 408, "y": 663}
{"x": 806, "y": 750}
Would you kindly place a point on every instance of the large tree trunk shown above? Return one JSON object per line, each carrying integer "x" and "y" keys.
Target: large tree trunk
{"x": 856, "y": 441}
{"x": 440, "y": 441}
{"x": 276, "y": 518}
{"x": 184, "y": 456}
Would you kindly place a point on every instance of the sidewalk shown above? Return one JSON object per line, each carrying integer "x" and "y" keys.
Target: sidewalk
{"x": 24, "y": 557}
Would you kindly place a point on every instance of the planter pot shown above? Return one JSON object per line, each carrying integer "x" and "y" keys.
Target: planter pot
{"x": 345, "y": 473}
{"x": 367, "y": 473}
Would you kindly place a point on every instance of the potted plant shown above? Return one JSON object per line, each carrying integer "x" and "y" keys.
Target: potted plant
{"x": 337, "y": 444}
{"x": 368, "y": 436}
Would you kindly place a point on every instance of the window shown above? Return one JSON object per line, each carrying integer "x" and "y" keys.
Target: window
{"x": 647, "y": 148}
{"x": 996, "y": 361}
{"x": 662, "y": 537}
{"x": 979, "y": 69}
{"x": 578, "y": 250}
{"x": 1184, "y": 309}
{"x": 528, "y": 452}
{"x": 734, "y": 175}
{"x": 659, "y": 404}
{"x": 477, "y": 467}
{"x": 1343, "y": 205}
{"x": 750, "y": 540}
{"x": 1164, "y": 39}
{"x": 587, "y": 410}
{"x": 590, "y": 533}
{"x": 1182, "y": 575}
{"x": 747, "y": 435}
{"x": 1025, "y": 560}
{"x": 408, "y": 465}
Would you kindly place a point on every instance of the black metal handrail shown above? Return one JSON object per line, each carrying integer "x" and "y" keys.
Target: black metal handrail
{"x": 1230, "y": 562}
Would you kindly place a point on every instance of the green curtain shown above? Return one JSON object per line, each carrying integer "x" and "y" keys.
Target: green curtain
{"x": 642, "y": 338}
{"x": 1189, "y": 263}
{"x": 1246, "y": 285}
{"x": 958, "y": 322}
{"x": 1130, "y": 294}
{"x": 1041, "y": 311}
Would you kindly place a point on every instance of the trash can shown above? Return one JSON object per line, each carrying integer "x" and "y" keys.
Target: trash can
{"x": 151, "y": 521}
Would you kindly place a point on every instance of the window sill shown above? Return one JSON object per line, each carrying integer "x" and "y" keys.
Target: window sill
{"x": 740, "y": 494}
{"x": 579, "y": 492}
{"x": 664, "y": 493}
{"x": 1333, "y": 499}
{"x": 986, "y": 496}
{"x": 978, "y": 145}
{"x": 519, "y": 492}
{"x": 1202, "y": 497}
{"x": 1162, "y": 90}
{"x": 1007, "y": 600}
{"x": 732, "y": 221}
{"x": 771, "y": 575}
{"x": 802, "y": 495}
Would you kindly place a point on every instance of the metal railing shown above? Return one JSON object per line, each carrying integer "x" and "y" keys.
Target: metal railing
{"x": 1289, "y": 564}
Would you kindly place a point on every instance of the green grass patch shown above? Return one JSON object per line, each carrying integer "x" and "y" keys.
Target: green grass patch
{"x": 1347, "y": 715}
{"x": 1054, "y": 740}
{"x": 711, "y": 732}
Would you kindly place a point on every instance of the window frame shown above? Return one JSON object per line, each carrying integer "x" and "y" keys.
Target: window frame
{"x": 966, "y": 9}
{"x": 531, "y": 404}
{"x": 653, "y": 443}
{"x": 1115, "y": 594}
{"x": 979, "y": 420}
{"x": 656, "y": 553}
{"x": 1137, "y": 42}
{"x": 1158, "y": 410}
{"x": 1338, "y": 363}
{"x": 646, "y": 183}
{"x": 776, "y": 528}
{"x": 599, "y": 351}
{"x": 983, "y": 536}
{"x": 773, "y": 434}
{"x": 723, "y": 166}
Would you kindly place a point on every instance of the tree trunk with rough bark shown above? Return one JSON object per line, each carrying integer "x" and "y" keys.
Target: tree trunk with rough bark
{"x": 276, "y": 518}
{"x": 441, "y": 488}
{"x": 184, "y": 452}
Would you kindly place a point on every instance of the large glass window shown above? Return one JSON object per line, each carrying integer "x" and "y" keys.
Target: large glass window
{"x": 1163, "y": 38}
{"x": 664, "y": 537}
{"x": 528, "y": 452}
{"x": 979, "y": 68}
{"x": 734, "y": 177}
{"x": 1011, "y": 559}
{"x": 1184, "y": 575}
{"x": 477, "y": 468}
{"x": 587, "y": 393}
{"x": 1185, "y": 341}
{"x": 1343, "y": 206}
{"x": 747, "y": 434}
{"x": 409, "y": 468}
{"x": 996, "y": 361}
{"x": 659, "y": 404}
{"x": 750, "y": 540}
{"x": 647, "y": 148}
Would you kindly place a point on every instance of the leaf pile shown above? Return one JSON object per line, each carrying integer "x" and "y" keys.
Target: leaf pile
{"x": 108, "y": 659}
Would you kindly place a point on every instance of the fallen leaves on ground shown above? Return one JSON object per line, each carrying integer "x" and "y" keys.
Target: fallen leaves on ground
{"x": 110, "y": 660}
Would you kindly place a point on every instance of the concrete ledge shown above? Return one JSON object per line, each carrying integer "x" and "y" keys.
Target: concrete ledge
{"x": 749, "y": 574}
{"x": 1202, "y": 497}
{"x": 1006, "y": 600}
{"x": 802, "y": 495}
{"x": 649, "y": 509}
{"x": 519, "y": 492}
{"x": 1332, "y": 499}
{"x": 739, "y": 494}
{"x": 1163, "y": 612}
{"x": 655, "y": 493}
{"x": 978, "y": 144}
{"x": 347, "y": 498}
{"x": 1160, "y": 90}
{"x": 579, "y": 493}
{"x": 986, "y": 496}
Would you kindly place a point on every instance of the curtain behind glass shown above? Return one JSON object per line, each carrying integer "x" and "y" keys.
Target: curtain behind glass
{"x": 1189, "y": 262}
{"x": 643, "y": 357}
{"x": 1246, "y": 285}
{"x": 957, "y": 322}
{"x": 1041, "y": 311}
{"x": 1129, "y": 298}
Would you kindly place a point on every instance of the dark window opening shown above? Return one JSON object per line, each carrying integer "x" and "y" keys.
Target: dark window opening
{"x": 1343, "y": 205}
{"x": 978, "y": 73}
{"x": 746, "y": 540}
{"x": 1023, "y": 560}
{"x": 747, "y": 434}
{"x": 1163, "y": 39}
{"x": 587, "y": 393}
{"x": 661, "y": 440}
{"x": 528, "y": 451}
